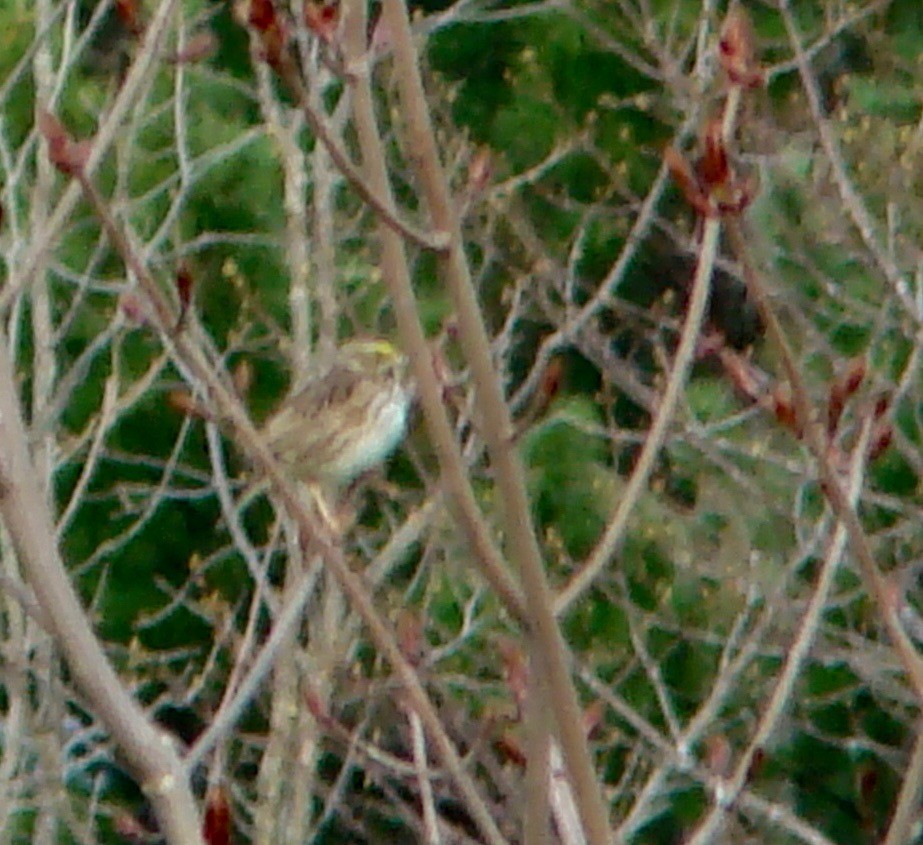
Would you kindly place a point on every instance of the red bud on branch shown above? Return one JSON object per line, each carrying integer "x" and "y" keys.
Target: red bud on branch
{"x": 129, "y": 13}
{"x": 510, "y": 750}
{"x": 317, "y": 706}
{"x": 262, "y": 15}
{"x": 784, "y": 409}
{"x": 881, "y": 440}
{"x": 756, "y": 764}
{"x": 868, "y": 783}
{"x": 184, "y": 402}
{"x": 242, "y": 376}
{"x": 410, "y": 637}
{"x": 184, "y": 282}
{"x": 480, "y": 170}
{"x": 67, "y": 155}
{"x": 216, "y": 828}
{"x": 743, "y": 375}
{"x": 836, "y": 402}
{"x": 272, "y": 29}
{"x": 129, "y": 828}
{"x": 199, "y": 47}
{"x": 712, "y": 168}
{"x": 882, "y": 403}
{"x": 322, "y": 18}
{"x": 854, "y": 375}
{"x": 717, "y": 754}
{"x": 552, "y": 379}
{"x": 593, "y": 717}
{"x": 687, "y": 182}
{"x": 516, "y": 671}
{"x": 737, "y": 49}
{"x": 841, "y": 390}
{"x": 134, "y": 308}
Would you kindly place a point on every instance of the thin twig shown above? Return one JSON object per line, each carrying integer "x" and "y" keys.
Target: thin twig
{"x": 831, "y": 485}
{"x": 383, "y": 207}
{"x": 28, "y": 519}
{"x": 418, "y": 744}
{"x": 795, "y": 660}
{"x": 615, "y": 530}
{"x": 232, "y": 708}
{"x": 908, "y": 801}
{"x": 497, "y": 429}
{"x": 188, "y": 351}
{"x": 141, "y": 69}
{"x": 852, "y": 201}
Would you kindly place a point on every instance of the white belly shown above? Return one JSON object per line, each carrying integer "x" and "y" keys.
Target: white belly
{"x": 377, "y": 444}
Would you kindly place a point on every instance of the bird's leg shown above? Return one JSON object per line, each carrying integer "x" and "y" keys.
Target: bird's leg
{"x": 315, "y": 498}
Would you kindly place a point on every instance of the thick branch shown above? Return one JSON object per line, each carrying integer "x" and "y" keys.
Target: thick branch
{"x": 497, "y": 429}
{"x": 148, "y": 750}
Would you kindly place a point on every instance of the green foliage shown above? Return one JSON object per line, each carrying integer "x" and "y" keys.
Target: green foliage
{"x": 710, "y": 399}
{"x": 570, "y": 482}
{"x": 895, "y": 101}
{"x": 725, "y": 543}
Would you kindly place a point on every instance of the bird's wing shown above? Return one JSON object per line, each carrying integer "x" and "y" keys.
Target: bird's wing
{"x": 332, "y": 387}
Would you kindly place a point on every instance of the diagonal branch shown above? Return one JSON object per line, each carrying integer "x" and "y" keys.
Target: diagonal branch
{"x": 187, "y": 348}
{"x": 496, "y": 426}
{"x": 830, "y": 482}
{"x": 26, "y": 515}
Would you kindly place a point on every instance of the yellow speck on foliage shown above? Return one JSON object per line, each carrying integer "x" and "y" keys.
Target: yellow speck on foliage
{"x": 163, "y": 786}
{"x": 135, "y": 650}
{"x": 213, "y": 605}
